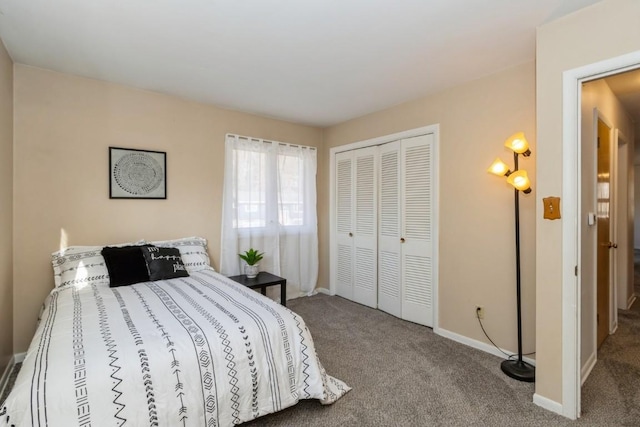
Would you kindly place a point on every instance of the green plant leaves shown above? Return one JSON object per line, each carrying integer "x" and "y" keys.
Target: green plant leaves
{"x": 251, "y": 256}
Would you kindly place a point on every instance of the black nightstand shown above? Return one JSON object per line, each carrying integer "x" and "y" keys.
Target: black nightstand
{"x": 262, "y": 281}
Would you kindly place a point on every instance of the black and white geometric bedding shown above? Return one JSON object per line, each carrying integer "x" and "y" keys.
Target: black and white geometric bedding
{"x": 194, "y": 351}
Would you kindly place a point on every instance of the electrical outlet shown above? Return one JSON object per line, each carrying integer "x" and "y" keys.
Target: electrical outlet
{"x": 480, "y": 311}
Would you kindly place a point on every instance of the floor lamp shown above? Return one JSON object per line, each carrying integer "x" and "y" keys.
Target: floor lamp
{"x": 516, "y": 368}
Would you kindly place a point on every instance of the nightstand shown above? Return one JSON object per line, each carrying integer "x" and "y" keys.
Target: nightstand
{"x": 262, "y": 281}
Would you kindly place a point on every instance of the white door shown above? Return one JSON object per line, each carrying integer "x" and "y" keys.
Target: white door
{"x": 417, "y": 264}
{"x": 365, "y": 235}
{"x": 389, "y": 279}
{"x": 344, "y": 225}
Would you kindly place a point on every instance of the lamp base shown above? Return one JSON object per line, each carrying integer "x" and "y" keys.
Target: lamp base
{"x": 519, "y": 370}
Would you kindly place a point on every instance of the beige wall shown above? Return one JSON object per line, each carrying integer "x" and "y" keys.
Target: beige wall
{"x": 63, "y": 126}
{"x": 595, "y": 95}
{"x": 605, "y": 30}
{"x": 6, "y": 210}
{"x": 477, "y": 255}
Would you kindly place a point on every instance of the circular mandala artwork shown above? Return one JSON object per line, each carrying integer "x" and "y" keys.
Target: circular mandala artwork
{"x": 138, "y": 173}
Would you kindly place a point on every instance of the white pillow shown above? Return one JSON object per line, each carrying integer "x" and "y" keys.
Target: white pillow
{"x": 193, "y": 251}
{"x": 81, "y": 265}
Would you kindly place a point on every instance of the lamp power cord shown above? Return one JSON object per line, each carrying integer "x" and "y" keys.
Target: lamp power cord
{"x": 509, "y": 356}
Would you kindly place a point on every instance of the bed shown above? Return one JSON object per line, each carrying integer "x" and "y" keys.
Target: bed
{"x": 199, "y": 350}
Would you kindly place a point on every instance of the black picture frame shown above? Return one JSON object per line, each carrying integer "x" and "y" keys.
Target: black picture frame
{"x": 137, "y": 174}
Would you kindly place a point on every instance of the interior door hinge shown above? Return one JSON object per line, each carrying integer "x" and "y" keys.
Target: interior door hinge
{"x": 598, "y": 142}
{"x": 576, "y": 271}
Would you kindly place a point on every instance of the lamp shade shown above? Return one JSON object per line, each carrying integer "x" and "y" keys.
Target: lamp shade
{"x": 520, "y": 181}
{"x": 498, "y": 167}
{"x": 518, "y": 144}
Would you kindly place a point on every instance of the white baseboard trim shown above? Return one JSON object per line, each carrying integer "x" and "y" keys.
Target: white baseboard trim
{"x": 630, "y": 301}
{"x": 324, "y": 291}
{"x": 487, "y": 348}
{"x": 548, "y": 404}
{"x": 588, "y": 367}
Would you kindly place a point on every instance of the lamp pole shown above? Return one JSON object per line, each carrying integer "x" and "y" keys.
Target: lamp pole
{"x": 518, "y": 369}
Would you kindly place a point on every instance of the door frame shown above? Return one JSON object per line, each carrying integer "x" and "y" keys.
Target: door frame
{"x": 624, "y": 258}
{"x": 431, "y": 129}
{"x": 571, "y": 193}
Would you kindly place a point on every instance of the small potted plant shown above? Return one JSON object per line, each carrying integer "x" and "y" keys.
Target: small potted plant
{"x": 251, "y": 258}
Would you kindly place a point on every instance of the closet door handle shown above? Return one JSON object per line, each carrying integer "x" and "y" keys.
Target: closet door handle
{"x": 402, "y": 240}
{"x": 350, "y": 234}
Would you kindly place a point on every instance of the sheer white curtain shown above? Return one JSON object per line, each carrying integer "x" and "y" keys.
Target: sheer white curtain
{"x": 269, "y": 204}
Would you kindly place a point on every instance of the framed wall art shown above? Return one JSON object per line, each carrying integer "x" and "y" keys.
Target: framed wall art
{"x": 137, "y": 174}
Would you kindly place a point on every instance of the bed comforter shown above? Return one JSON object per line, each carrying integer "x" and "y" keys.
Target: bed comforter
{"x": 195, "y": 351}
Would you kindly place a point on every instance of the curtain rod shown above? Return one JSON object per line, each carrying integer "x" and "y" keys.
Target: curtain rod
{"x": 266, "y": 141}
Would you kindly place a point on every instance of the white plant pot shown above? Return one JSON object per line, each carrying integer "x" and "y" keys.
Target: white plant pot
{"x": 251, "y": 270}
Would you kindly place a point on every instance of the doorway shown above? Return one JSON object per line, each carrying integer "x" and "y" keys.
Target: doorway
{"x": 575, "y": 239}
{"x": 610, "y": 108}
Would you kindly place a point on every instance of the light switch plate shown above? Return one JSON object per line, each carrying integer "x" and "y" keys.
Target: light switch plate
{"x": 551, "y": 207}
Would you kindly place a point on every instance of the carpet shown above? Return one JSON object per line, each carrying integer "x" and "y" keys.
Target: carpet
{"x": 403, "y": 374}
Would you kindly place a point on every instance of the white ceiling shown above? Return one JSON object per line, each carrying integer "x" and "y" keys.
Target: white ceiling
{"x": 316, "y": 62}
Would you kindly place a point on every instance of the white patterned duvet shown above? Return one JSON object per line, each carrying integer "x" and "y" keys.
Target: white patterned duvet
{"x": 195, "y": 351}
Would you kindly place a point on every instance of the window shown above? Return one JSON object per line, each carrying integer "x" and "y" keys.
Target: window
{"x": 291, "y": 203}
{"x": 269, "y": 204}
{"x": 268, "y": 185}
{"x": 250, "y": 189}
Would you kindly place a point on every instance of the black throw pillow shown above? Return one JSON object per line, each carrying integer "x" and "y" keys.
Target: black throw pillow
{"x": 126, "y": 265}
{"x": 164, "y": 263}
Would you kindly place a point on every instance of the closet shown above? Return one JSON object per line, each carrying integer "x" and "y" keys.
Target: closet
{"x": 383, "y": 241}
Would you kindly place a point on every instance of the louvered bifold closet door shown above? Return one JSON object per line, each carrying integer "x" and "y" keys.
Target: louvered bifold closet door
{"x": 417, "y": 262}
{"x": 343, "y": 273}
{"x": 389, "y": 246}
{"x": 365, "y": 236}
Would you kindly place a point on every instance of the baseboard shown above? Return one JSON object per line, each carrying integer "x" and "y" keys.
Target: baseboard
{"x": 324, "y": 291}
{"x": 630, "y": 301}
{"x": 487, "y": 348}
{"x": 588, "y": 367}
{"x": 19, "y": 358}
{"x": 548, "y": 404}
